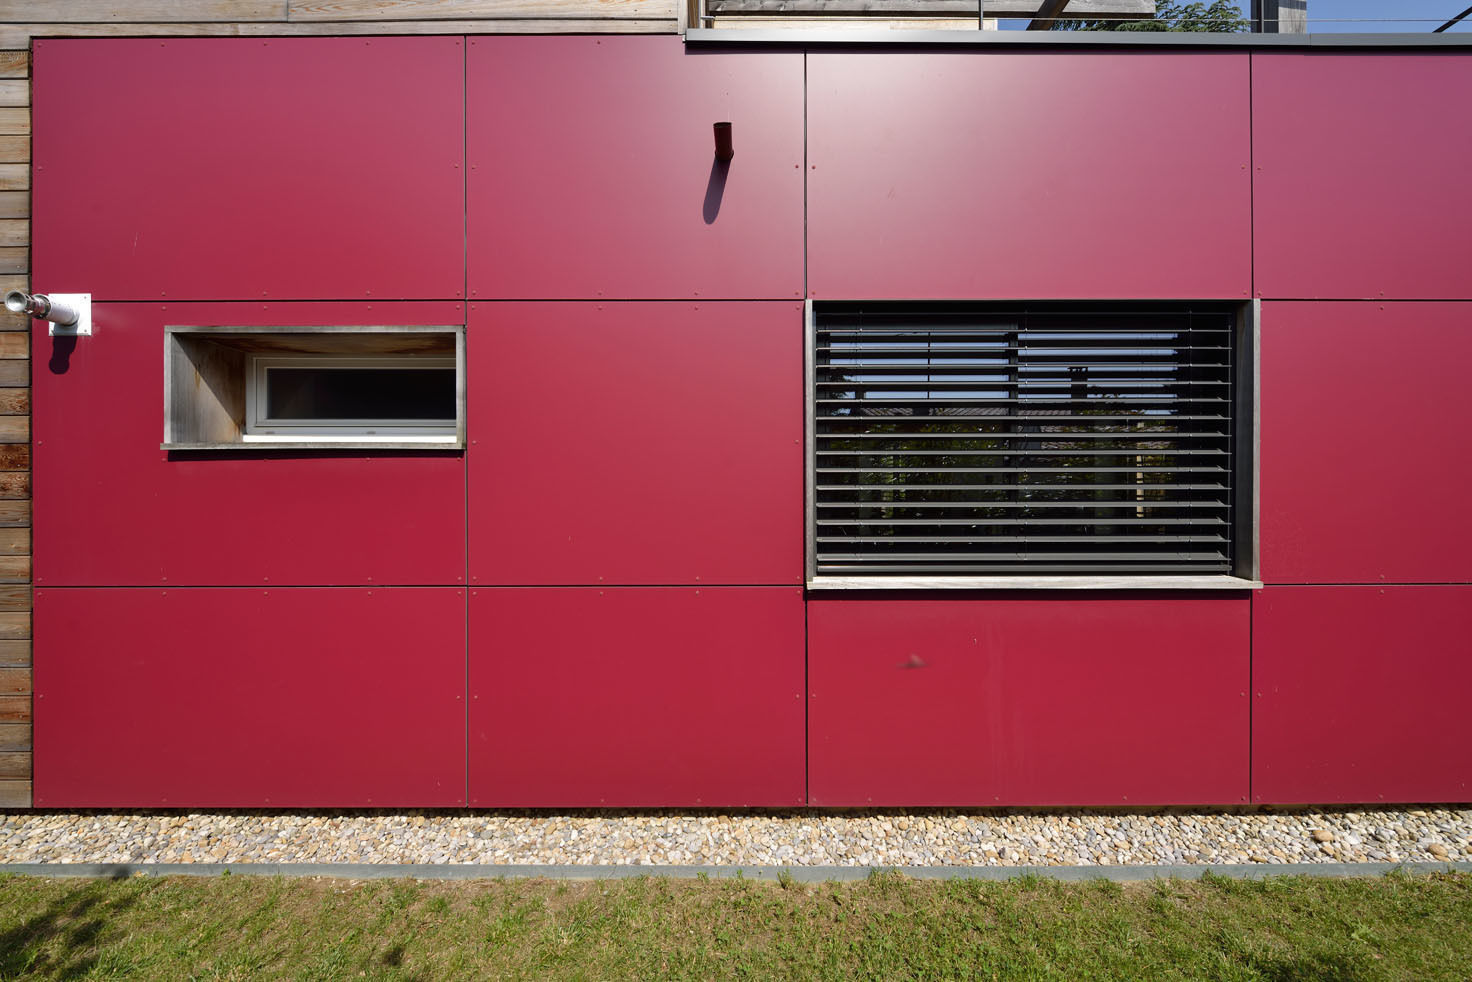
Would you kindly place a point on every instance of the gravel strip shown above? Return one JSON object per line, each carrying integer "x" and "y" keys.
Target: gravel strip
{"x": 928, "y": 838}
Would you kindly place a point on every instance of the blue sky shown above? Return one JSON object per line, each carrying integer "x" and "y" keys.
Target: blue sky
{"x": 1342, "y": 16}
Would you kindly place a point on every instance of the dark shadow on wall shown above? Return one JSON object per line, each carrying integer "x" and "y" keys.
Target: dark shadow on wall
{"x": 62, "y": 346}
{"x": 715, "y": 190}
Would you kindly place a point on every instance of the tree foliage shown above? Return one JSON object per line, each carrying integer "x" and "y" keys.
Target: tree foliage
{"x": 1220, "y": 16}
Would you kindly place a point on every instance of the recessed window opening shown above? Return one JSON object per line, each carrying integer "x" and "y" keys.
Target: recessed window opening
{"x": 373, "y": 387}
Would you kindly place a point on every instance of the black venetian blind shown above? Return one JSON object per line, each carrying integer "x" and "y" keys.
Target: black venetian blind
{"x": 1005, "y": 439}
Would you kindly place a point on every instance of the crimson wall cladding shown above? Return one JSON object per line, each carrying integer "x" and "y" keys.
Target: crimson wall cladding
{"x": 1357, "y": 694}
{"x": 1028, "y": 700}
{"x": 238, "y": 698}
{"x": 335, "y": 173}
{"x": 592, "y": 172}
{"x": 1361, "y": 184}
{"x": 636, "y": 697}
{"x": 1362, "y": 477}
{"x": 112, "y": 509}
{"x": 1026, "y": 175}
{"x": 636, "y": 443}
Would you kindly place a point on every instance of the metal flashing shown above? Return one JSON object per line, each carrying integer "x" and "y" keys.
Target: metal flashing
{"x": 777, "y": 36}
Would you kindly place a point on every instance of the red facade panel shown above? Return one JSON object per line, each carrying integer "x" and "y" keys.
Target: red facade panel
{"x": 1362, "y": 420}
{"x": 1011, "y": 175}
{"x": 112, "y": 509}
{"x": 250, "y": 698}
{"x": 235, "y": 168}
{"x": 636, "y": 697}
{"x": 1356, "y": 694}
{"x": 1361, "y": 170}
{"x": 636, "y": 443}
{"x": 1042, "y": 700}
{"x": 593, "y": 174}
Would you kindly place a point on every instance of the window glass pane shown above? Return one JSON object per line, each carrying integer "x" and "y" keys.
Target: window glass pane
{"x": 361, "y": 393}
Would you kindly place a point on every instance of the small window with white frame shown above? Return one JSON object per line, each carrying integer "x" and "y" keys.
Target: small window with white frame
{"x": 254, "y": 388}
{"x": 324, "y": 398}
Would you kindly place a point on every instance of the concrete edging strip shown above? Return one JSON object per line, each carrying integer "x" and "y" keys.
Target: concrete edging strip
{"x": 799, "y": 874}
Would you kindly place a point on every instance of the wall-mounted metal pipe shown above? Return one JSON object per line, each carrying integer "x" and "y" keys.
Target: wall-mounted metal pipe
{"x": 41, "y": 307}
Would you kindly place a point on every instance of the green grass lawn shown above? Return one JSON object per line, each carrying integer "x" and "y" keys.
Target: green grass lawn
{"x": 1394, "y": 927}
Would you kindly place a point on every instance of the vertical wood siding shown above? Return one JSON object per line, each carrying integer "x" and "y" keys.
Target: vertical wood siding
{"x": 22, "y": 20}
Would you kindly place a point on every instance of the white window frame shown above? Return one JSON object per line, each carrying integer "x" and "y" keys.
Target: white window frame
{"x": 261, "y": 428}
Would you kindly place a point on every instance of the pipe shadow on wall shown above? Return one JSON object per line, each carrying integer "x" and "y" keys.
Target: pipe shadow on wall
{"x": 715, "y": 190}
{"x": 62, "y": 346}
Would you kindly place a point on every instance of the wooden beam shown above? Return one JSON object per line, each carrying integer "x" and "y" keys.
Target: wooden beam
{"x": 1047, "y": 13}
{"x": 139, "y": 11}
{"x": 19, "y": 35}
{"x": 350, "y": 10}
